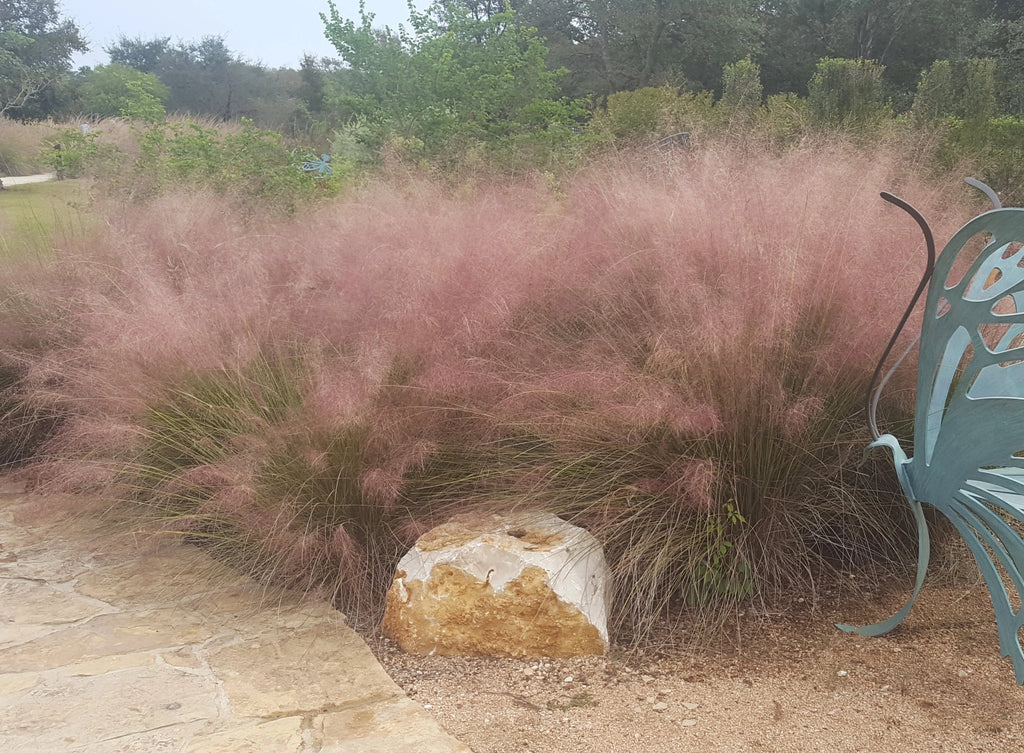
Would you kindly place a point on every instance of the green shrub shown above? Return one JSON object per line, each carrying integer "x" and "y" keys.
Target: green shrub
{"x": 784, "y": 118}
{"x": 453, "y": 78}
{"x": 847, "y": 94}
{"x": 742, "y": 91}
{"x": 645, "y": 115}
{"x": 964, "y": 89}
{"x": 72, "y": 153}
{"x": 994, "y": 149}
{"x": 253, "y": 164}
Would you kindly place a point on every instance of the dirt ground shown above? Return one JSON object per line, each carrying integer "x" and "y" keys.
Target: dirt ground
{"x": 783, "y": 683}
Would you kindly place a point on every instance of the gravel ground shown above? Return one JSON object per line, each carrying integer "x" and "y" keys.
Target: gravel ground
{"x": 784, "y": 683}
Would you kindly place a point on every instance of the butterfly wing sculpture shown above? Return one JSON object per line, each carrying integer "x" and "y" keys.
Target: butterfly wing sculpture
{"x": 310, "y": 163}
{"x": 968, "y": 458}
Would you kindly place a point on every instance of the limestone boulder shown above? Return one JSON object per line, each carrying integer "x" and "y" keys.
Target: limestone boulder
{"x": 523, "y": 584}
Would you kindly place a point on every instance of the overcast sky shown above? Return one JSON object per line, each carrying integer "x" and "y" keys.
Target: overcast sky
{"x": 274, "y": 33}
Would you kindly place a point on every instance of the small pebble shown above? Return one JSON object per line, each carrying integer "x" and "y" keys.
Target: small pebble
{"x": 651, "y": 699}
{"x": 885, "y": 688}
{"x": 529, "y": 671}
{"x": 841, "y": 673}
{"x": 688, "y": 723}
{"x": 646, "y": 678}
{"x": 962, "y": 673}
{"x": 660, "y": 706}
{"x": 691, "y": 706}
{"x": 568, "y": 679}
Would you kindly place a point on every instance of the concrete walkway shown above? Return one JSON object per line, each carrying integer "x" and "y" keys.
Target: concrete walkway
{"x": 22, "y": 179}
{"x": 110, "y": 645}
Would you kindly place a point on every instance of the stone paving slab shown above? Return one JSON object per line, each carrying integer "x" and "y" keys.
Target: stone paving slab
{"x": 111, "y": 645}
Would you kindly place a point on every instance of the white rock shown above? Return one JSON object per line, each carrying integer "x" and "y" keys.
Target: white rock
{"x": 524, "y": 584}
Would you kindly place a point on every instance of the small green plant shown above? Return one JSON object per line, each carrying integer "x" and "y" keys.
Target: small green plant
{"x": 722, "y": 574}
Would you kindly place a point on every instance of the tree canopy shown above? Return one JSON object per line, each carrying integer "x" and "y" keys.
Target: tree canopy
{"x": 492, "y": 68}
{"x": 457, "y": 71}
{"x": 120, "y": 90}
{"x": 36, "y": 47}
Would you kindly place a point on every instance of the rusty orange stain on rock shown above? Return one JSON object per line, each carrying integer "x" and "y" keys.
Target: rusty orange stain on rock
{"x": 453, "y": 613}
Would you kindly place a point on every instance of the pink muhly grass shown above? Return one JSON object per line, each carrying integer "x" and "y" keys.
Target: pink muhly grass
{"x": 673, "y": 356}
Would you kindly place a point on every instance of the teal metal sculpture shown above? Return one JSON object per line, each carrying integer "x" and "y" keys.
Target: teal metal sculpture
{"x": 320, "y": 165}
{"x": 969, "y": 420}
{"x": 312, "y": 164}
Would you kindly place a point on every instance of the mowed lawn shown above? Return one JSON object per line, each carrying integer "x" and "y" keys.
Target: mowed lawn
{"x": 36, "y": 217}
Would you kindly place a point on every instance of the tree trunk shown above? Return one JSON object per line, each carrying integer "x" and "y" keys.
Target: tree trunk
{"x": 650, "y": 58}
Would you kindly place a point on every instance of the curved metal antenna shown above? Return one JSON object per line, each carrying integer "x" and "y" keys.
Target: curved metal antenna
{"x": 987, "y": 190}
{"x": 873, "y": 391}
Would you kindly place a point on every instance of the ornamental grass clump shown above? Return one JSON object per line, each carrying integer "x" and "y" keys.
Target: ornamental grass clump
{"x": 671, "y": 355}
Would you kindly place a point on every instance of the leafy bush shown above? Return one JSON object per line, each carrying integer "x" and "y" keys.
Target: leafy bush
{"x": 72, "y": 153}
{"x": 992, "y": 149}
{"x": 847, "y": 94}
{"x": 742, "y": 91}
{"x": 252, "y": 164}
{"x": 455, "y": 79}
{"x": 784, "y": 118}
{"x": 964, "y": 89}
{"x": 645, "y": 115}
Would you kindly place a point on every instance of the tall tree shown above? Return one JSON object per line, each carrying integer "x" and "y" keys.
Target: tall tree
{"x": 36, "y": 47}
{"x": 146, "y": 55}
{"x": 628, "y": 44}
{"x": 903, "y": 35}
